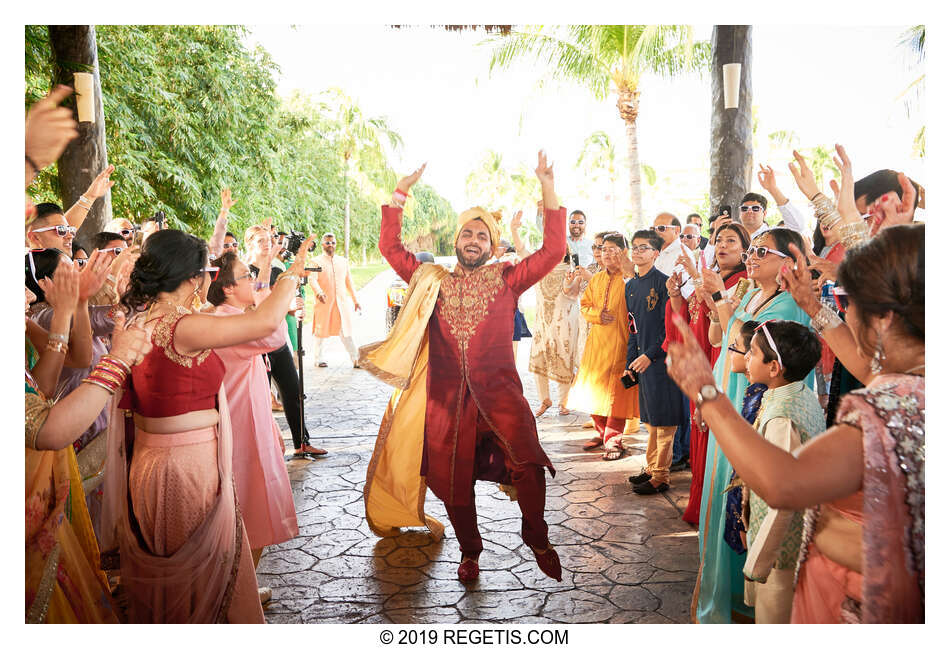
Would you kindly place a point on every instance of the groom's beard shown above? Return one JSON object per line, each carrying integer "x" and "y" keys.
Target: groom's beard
{"x": 470, "y": 263}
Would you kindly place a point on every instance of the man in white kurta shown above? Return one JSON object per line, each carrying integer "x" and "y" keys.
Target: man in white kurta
{"x": 331, "y": 313}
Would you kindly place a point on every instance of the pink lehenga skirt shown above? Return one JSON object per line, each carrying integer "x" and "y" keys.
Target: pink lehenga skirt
{"x": 183, "y": 552}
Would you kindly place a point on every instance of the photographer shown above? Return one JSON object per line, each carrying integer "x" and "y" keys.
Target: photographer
{"x": 258, "y": 242}
{"x": 331, "y": 315}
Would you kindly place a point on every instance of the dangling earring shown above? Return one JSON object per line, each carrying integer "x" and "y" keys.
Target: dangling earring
{"x": 195, "y": 300}
{"x": 878, "y": 355}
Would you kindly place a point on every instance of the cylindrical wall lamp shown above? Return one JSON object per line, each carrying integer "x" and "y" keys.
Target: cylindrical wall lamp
{"x": 731, "y": 73}
{"x": 85, "y": 98}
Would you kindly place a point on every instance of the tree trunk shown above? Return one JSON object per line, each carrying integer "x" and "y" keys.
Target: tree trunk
{"x": 629, "y": 106}
{"x": 74, "y": 50}
{"x": 730, "y": 146}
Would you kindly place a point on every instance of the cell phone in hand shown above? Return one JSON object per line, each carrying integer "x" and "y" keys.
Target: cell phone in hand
{"x": 628, "y": 380}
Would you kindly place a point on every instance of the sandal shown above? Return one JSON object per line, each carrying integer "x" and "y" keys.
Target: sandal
{"x": 593, "y": 444}
{"x": 613, "y": 454}
{"x": 313, "y": 450}
{"x": 544, "y": 407}
{"x": 562, "y": 411}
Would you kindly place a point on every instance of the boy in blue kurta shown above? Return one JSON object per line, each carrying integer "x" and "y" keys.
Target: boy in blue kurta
{"x": 660, "y": 400}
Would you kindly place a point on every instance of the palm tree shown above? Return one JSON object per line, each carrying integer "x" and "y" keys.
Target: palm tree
{"x": 598, "y": 161}
{"x": 605, "y": 59}
{"x": 914, "y": 42}
{"x": 358, "y": 137}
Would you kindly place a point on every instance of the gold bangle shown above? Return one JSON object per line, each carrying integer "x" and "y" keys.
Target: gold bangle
{"x": 854, "y": 234}
{"x": 57, "y": 347}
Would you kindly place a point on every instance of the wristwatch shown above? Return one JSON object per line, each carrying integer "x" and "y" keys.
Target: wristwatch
{"x": 716, "y": 296}
{"x": 709, "y": 392}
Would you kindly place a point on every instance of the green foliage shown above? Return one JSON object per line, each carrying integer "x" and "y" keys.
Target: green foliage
{"x": 190, "y": 110}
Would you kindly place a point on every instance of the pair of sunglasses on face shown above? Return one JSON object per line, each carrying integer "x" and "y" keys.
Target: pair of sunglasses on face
{"x": 663, "y": 228}
{"x": 750, "y": 208}
{"x": 61, "y": 230}
{"x": 759, "y": 252}
{"x": 689, "y": 237}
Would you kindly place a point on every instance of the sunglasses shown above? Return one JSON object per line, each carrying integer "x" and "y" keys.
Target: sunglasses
{"x": 213, "y": 270}
{"x": 689, "y": 237}
{"x": 115, "y": 251}
{"x": 632, "y": 326}
{"x": 663, "y": 228}
{"x": 768, "y": 337}
{"x": 233, "y": 244}
{"x": 596, "y": 247}
{"x": 573, "y": 222}
{"x": 642, "y": 248}
{"x": 759, "y": 252}
{"x": 750, "y": 208}
{"x": 125, "y": 232}
{"x": 841, "y": 298}
{"x": 61, "y": 230}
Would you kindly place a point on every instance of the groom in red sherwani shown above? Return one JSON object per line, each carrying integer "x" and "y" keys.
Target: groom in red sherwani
{"x": 478, "y": 425}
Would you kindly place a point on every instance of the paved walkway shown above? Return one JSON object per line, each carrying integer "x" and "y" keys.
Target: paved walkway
{"x": 626, "y": 558}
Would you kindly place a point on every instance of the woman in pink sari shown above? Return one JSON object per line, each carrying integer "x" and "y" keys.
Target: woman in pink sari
{"x": 260, "y": 476}
{"x": 863, "y": 545}
{"x": 169, "y": 503}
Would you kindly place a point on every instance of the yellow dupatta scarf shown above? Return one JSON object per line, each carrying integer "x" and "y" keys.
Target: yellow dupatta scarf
{"x": 394, "y": 494}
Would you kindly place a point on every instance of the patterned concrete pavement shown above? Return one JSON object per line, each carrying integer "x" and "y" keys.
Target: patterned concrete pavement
{"x": 626, "y": 558}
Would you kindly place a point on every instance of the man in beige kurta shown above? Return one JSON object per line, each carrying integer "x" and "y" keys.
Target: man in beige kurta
{"x": 331, "y": 313}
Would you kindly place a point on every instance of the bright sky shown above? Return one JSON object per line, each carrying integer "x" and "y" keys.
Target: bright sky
{"x": 434, "y": 88}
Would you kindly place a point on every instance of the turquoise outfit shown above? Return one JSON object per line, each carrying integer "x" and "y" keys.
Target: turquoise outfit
{"x": 721, "y": 587}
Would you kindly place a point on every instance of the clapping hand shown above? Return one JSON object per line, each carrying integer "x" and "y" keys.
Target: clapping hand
{"x": 712, "y": 281}
{"x": 686, "y": 261}
{"x": 798, "y": 282}
{"x": 130, "y": 345}
{"x": 62, "y": 291}
{"x": 673, "y": 284}
{"x": 93, "y": 276}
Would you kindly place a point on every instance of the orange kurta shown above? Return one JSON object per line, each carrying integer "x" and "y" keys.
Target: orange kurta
{"x": 597, "y": 390}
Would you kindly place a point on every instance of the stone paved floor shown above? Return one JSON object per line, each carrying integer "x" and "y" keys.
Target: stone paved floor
{"x": 626, "y": 558}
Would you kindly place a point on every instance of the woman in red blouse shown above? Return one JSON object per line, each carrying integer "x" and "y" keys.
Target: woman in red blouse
{"x": 184, "y": 552}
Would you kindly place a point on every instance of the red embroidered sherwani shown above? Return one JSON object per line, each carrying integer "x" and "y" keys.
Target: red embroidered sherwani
{"x": 472, "y": 379}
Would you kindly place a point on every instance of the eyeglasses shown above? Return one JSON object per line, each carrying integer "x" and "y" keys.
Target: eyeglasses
{"x": 81, "y": 263}
{"x": 251, "y": 274}
{"x": 61, "y": 230}
{"x": 735, "y": 349}
{"x": 611, "y": 250}
{"x": 841, "y": 298}
{"x": 596, "y": 247}
{"x": 213, "y": 270}
{"x": 747, "y": 208}
{"x": 573, "y": 222}
{"x": 115, "y": 251}
{"x": 642, "y": 247}
{"x": 689, "y": 237}
{"x": 233, "y": 244}
{"x": 663, "y": 228}
{"x": 768, "y": 337}
{"x": 759, "y": 252}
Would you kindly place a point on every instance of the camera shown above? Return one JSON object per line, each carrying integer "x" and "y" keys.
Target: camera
{"x": 159, "y": 218}
{"x": 294, "y": 240}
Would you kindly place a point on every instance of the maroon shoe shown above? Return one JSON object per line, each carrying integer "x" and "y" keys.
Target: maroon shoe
{"x": 548, "y": 561}
{"x": 468, "y": 569}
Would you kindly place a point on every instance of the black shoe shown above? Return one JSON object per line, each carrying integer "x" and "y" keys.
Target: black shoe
{"x": 640, "y": 478}
{"x": 647, "y": 488}
{"x": 682, "y": 465}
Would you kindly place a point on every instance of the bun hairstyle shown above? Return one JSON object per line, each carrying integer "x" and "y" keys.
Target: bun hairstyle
{"x": 169, "y": 257}
{"x": 225, "y": 264}
{"x": 887, "y": 274}
{"x": 45, "y": 263}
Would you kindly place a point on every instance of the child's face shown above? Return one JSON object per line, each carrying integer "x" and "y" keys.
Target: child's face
{"x": 758, "y": 369}
{"x": 737, "y": 354}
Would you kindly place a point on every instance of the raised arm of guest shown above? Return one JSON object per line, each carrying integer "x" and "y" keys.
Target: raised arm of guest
{"x": 530, "y": 270}
{"x": 216, "y": 242}
{"x": 76, "y": 214}
{"x": 49, "y": 128}
{"x": 516, "y": 241}
{"x": 390, "y": 229}
{"x": 794, "y": 219}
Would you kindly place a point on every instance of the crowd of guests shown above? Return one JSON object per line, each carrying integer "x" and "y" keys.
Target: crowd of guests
{"x": 804, "y": 431}
{"x": 150, "y": 443}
